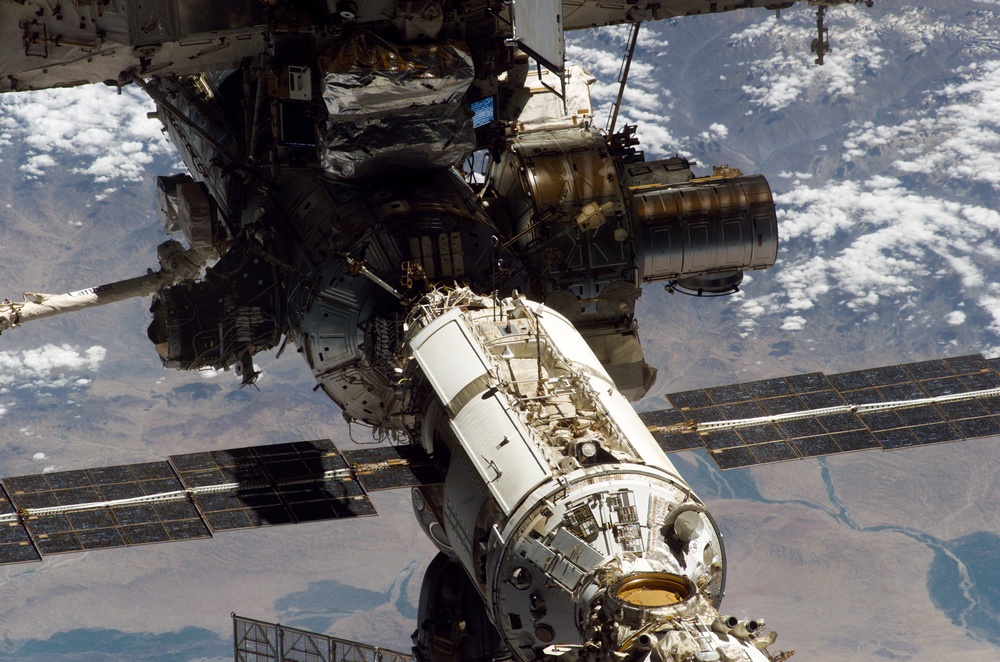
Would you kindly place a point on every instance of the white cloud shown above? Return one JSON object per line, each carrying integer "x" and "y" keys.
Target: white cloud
{"x": 37, "y": 164}
{"x": 49, "y": 366}
{"x": 38, "y": 457}
{"x": 103, "y": 195}
{"x": 955, "y": 318}
{"x": 97, "y": 131}
{"x": 715, "y": 132}
{"x": 646, "y": 101}
{"x": 208, "y": 372}
{"x": 865, "y": 243}
{"x": 786, "y": 73}
{"x": 885, "y": 238}
{"x": 782, "y": 68}
{"x": 793, "y": 323}
{"x": 957, "y": 136}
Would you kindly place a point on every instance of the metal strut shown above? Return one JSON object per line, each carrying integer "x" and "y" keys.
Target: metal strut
{"x": 821, "y": 44}
{"x": 623, "y": 76}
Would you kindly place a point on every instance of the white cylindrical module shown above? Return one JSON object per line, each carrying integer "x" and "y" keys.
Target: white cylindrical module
{"x": 578, "y": 532}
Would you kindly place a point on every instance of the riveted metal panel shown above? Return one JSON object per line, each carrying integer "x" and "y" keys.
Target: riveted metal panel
{"x": 538, "y": 29}
{"x": 449, "y": 358}
{"x": 501, "y": 450}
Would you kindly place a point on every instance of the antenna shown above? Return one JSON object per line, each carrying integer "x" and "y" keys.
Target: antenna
{"x": 623, "y": 76}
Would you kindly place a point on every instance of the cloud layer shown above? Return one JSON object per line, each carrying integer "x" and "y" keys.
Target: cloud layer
{"x": 105, "y": 135}
{"x": 49, "y": 366}
{"x": 955, "y": 137}
{"x": 646, "y": 101}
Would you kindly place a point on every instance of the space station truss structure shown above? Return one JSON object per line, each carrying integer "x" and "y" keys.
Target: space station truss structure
{"x": 260, "y": 641}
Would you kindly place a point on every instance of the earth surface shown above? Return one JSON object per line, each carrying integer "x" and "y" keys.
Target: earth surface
{"x": 885, "y": 163}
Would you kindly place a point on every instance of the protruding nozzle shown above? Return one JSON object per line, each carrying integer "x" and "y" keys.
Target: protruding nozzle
{"x": 746, "y": 628}
{"x": 645, "y": 641}
{"x": 725, "y": 624}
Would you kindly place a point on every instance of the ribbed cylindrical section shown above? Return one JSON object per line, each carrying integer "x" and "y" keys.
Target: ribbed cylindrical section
{"x": 704, "y": 234}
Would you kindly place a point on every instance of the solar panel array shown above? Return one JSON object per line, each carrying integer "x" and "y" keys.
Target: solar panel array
{"x": 192, "y": 496}
{"x": 390, "y": 467}
{"x": 126, "y": 524}
{"x": 849, "y": 427}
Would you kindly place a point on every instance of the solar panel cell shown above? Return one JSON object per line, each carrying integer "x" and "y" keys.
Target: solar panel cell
{"x": 942, "y": 386}
{"x": 849, "y": 381}
{"x": 971, "y": 428}
{"x": 841, "y": 422}
{"x": 721, "y": 395}
{"x": 893, "y": 374}
{"x": 36, "y": 500}
{"x": 311, "y": 511}
{"x": 100, "y": 539}
{"x": 144, "y": 534}
{"x": 821, "y": 399}
{"x": 991, "y": 404}
{"x": 881, "y": 420}
{"x": 734, "y": 458}
{"x": 814, "y": 446}
{"x": 672, "y": 442}
{"x": 920, "y": 415}
{"x": 76, "y": 495}
{"x": 193, "y": 461}
{"x": 803, "y": 427}
{"x": 227, "y": 520}
{"x": 717, "y": 439}
{"x": 152, "y": 470}
{"x": 25, "y": 484}
{"x": 777, "y": 451}
{"x": 855, "y": 440}
{"x": 808, "y": 383}
{"x": 40, "y": 525}
{"x": 963, "y": 365}
{"x": 90, "y": 519}
{"x": 62, "y": 480}
{"x": 769, "y": 388}
{"x": 118, "y": 491}
{"x": 961, "y": 409}
{"x": 892, "y": 439}
{"x": 361, "y": 508}
{"x": 58, "y": 543}
{"x": 111, "y": 475}
{"x": 174, "y": 510}
{"x": 898, "y": 392}
{"x": 740, "y": 410}
{"x": 935, "y": 433}
{"x": 137, "y": 514}
{"x": 980, "y": 381}
{"x": 161, "y": 486}
{"x": 270, "y": 516}
{"x": 17, "y": 551}
{"x": 783, "y": 405}
{"x": 759, "y": 434}
{"x": 689, "y": 399}
{"x": 865, "y": 396}
{"x": 928, "y": 369}
{"x": 662, "y": 417}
